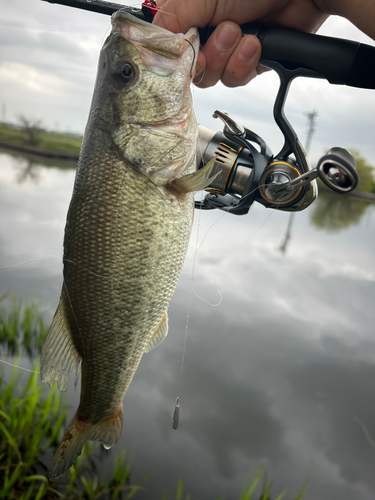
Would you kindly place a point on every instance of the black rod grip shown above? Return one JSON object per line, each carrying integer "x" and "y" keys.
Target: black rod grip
{"x": 340, "y": 61}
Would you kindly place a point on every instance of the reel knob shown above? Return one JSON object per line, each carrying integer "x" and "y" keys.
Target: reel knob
{"x": 337, "y": 169}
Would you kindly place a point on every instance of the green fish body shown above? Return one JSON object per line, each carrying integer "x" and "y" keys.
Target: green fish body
{"x": 128, "y": 225}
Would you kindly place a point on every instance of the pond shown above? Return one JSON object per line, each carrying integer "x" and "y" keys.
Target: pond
{"x": 279, "y": 364}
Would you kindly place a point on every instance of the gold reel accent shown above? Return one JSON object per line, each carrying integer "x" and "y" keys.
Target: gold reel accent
{"x": 225, "y": 159}
{"x": 279, "y": 172}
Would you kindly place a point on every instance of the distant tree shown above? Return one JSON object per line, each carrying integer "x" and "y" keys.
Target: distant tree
{"x": 365, "y": 172}
{"x": 334, "y": 212}
{"x": 32, "y": 128}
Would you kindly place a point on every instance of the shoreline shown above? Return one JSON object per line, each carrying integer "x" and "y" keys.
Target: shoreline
{"x": 36, "y": 150}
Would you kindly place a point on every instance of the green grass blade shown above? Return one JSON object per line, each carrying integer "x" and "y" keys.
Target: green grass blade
{"x": 247, "y": 494}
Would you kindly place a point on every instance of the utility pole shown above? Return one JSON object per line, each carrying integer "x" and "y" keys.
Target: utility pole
{"x": 311, "y": 122}
{"x": 311, "y": 129}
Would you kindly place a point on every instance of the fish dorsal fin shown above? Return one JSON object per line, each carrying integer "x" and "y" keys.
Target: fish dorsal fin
{"x": 60, "y": 357}
{"x": 194, "y": 182}
{"x": 160, "y": 333}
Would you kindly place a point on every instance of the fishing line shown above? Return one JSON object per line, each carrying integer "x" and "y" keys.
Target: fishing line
{"x": 233, "y": 251}
{"x": 30, "y": 260}
{"x": 365, "y": 431}
{"x": 79, "y": 329}
{"x": 251, "y": 234}
{"x": 164, "y": 13}
{"x": 17, "y": 366}
{"x": 245, "y": 241}
{"x": 70, "y": 303}
{"x": 86, "y": 269}
{"x": 176, "y": 412}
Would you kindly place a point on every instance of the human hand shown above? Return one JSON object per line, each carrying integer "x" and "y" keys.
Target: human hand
{"x": 232, "y": 58}
{"x": 227, "y": 55}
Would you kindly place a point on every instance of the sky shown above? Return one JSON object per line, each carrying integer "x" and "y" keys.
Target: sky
{"x": 48, "y": 58}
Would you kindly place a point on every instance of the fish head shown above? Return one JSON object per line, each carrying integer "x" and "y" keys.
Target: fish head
{"x": 143, "y": 96}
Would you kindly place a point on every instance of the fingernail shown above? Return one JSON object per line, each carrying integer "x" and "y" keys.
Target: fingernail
{"x": 225, "y": 38}
{"x": 247, "y": 49}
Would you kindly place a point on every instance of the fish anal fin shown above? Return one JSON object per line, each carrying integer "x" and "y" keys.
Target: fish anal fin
{"x": 193, "y": 182}
{"x": 60, "y": 357}
{"x": 108, "y": 431}
{"x": 160, "y": 333}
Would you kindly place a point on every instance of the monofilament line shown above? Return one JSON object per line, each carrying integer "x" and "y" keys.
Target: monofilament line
{"x": 175, "y": 417}
{"x": 17, "y": 366}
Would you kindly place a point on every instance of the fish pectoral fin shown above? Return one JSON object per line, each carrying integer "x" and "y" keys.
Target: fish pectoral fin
{"x": 108, "y": 431}
{"x": 160, "y": 333}
{"x": 60, "y": 357}
{"x": 194, "y": 182}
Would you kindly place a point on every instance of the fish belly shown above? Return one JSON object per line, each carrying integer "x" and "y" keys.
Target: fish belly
{"x": 124, "y": 249}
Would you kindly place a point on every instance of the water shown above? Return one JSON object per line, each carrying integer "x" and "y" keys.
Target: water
{"x": 280, "y": 373}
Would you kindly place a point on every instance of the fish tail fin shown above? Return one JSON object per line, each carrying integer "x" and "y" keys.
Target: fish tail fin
{"x": 108, "y": 431}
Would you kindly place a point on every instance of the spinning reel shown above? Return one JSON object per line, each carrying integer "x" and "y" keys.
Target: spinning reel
{"x": 248, "y": 171}
{"x": 247, "y": 174}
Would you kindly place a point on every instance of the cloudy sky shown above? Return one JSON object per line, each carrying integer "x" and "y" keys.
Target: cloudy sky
{"x": 48, "y": 57}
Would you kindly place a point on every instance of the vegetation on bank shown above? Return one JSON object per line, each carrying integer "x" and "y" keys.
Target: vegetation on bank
{"x": 32, "y": 418}
{"x": 366, "y": 173}
{"x": 32, "y": 135}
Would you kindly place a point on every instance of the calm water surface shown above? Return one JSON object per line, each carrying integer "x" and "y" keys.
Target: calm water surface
{"x": 280, "y": 354}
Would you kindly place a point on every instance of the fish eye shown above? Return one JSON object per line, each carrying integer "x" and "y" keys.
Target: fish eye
{"x": 127, "y": 72}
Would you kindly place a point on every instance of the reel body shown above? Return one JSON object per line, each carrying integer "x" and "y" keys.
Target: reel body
{"x": 249, "y": 172}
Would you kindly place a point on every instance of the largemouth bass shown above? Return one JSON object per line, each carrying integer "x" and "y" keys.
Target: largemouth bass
{"x": 128, "y": 225}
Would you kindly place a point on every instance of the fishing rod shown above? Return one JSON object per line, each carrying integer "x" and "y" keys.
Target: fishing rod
{"x": 248, "y": 169}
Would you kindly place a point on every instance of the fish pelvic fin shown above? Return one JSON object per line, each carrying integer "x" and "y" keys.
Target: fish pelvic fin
{"x": 160, "y": 333}
{"x": 107, "y": 431}
{"x": 60, "y": 357}
{"x": 193, "y": 182}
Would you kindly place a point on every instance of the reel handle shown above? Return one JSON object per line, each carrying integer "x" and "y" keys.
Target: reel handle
{"x": 337, "y": 169}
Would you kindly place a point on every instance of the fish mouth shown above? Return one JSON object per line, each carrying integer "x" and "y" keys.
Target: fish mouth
{"x": 155, "y": 38}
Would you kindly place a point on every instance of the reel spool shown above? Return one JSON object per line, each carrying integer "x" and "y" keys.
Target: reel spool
{"x": 278, "y": 173}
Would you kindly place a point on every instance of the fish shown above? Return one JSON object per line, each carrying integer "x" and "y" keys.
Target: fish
{"x": 128, "y": 225}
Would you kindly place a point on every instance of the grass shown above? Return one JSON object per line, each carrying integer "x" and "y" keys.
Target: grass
{"x": 32, "y": 418}
{"x": 47, "y": 140}
{"x": 31, "y": 421}
{"x": 22, "y": 329}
